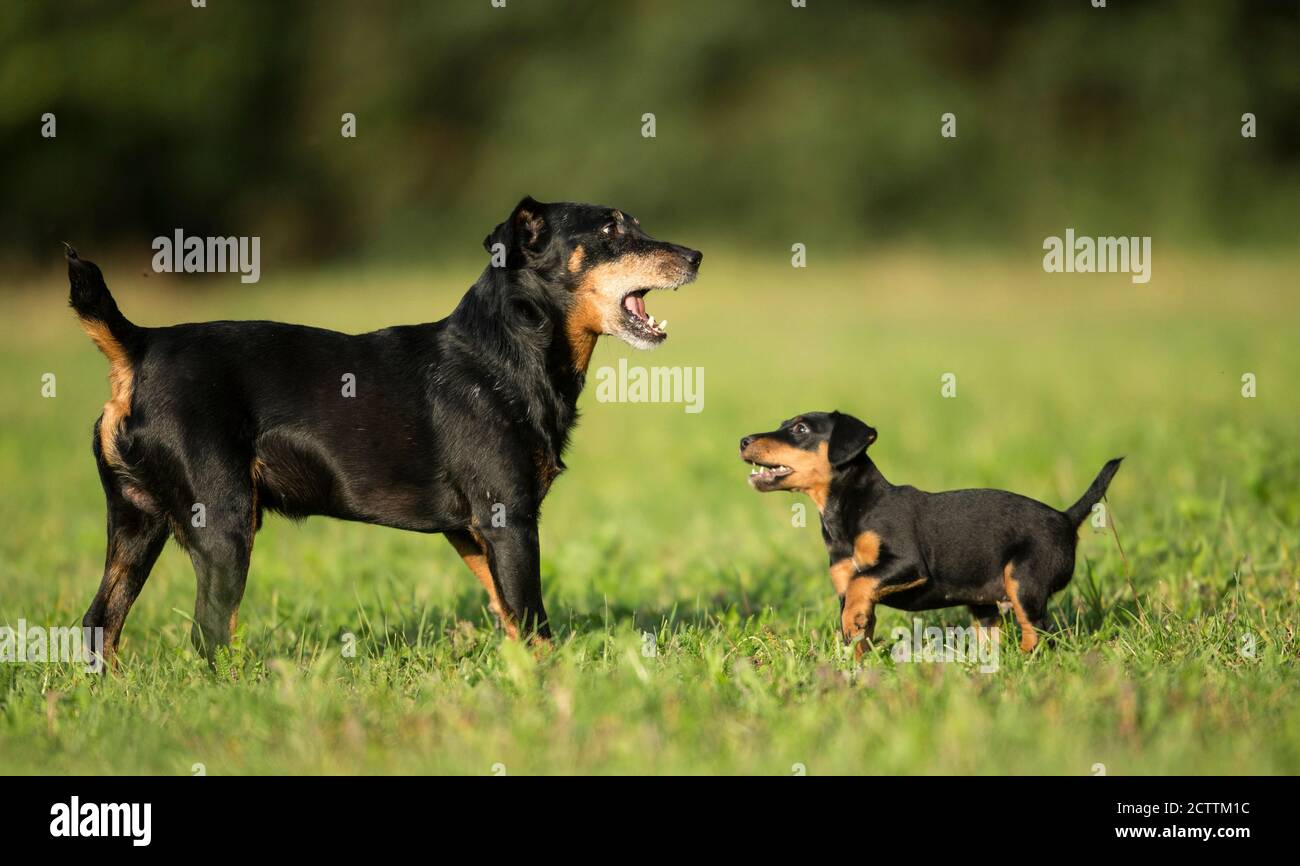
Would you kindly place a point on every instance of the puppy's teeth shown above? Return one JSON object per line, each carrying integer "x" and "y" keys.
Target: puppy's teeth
{"x": 663, "y": 326}
{"x": 652, "y": 321}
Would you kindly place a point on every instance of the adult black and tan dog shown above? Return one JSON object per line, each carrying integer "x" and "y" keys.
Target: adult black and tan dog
{"x": 458, "y": 426}
{"x": 911, "y": 550}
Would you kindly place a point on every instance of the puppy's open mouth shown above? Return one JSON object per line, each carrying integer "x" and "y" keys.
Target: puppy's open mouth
{"x": 638, "y": 321}
{"x": 764, "y": 475}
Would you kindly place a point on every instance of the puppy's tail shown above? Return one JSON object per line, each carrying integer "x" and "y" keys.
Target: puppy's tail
{"x": 96, "y": 309}
{"x": 1079, "y": 510}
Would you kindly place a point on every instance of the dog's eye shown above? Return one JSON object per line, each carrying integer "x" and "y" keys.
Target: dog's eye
{"x": 609, "y": 229}
{"x": 800, "y": 429}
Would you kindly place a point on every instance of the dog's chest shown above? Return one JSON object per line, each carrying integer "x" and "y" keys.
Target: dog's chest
{"x": 839, "y": 545}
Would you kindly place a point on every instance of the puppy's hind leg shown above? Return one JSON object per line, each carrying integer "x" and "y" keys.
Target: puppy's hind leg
{"x": 1028, "y": 601}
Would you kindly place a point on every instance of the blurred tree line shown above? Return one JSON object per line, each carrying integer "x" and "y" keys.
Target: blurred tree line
{"x": 773, "y": 123}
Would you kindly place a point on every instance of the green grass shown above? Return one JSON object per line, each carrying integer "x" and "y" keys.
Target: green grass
{"x": 654, "y": 529}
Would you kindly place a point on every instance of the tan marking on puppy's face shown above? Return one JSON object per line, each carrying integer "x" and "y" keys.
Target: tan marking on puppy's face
{"x": 785, "y": 467}
{"x": 121, "y": 384}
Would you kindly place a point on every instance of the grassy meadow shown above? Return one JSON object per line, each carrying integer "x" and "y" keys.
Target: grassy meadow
{"x": 1183, "y": 661}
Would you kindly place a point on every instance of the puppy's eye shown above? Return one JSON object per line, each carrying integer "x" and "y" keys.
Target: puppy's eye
{"x": 800, "y": 429}
{"x": 609, "y": 230}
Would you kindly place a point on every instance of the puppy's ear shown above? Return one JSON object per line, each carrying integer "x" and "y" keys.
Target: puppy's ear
{"x": 523, "y": 235}
{"x": 849, "y": 438}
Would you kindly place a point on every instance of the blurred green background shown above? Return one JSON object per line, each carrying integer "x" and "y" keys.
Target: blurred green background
{"x": 774, "y": 123}
{"x": 774, "y": 126}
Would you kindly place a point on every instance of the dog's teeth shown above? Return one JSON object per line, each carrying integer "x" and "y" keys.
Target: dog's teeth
{"x": 663, "y": 326}
{"x": 652, "y": 320}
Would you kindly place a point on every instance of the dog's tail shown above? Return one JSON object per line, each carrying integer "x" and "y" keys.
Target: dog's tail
{"x": 96, "y": 309}
{"x": 1079, "y": 510}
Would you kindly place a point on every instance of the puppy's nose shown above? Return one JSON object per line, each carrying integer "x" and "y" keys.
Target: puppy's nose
{"x": 744, "y": 443}
{"x": 694, "y": 257}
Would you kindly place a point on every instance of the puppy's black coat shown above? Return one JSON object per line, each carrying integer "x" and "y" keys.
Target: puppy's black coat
{"x": 912, "y": 550}
{"x": 458, "y": 426}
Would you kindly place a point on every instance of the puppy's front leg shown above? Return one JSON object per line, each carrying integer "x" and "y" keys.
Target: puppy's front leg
{"x": 858, "y": 615}
{"x": 514, "y": 557}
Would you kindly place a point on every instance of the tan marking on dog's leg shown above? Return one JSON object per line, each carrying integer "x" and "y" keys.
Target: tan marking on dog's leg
{"x": 121, "y": 384}
{"x": 472, "y": 551}
{"x": 1028, "y": 635}
{"x": 841, "y": 573}
{"x": 866, "y": 550}
{"x": 129, "y": 558}
{"x": 256, "y": 502}
{"x": 114, "y": 591}
{"x": 890, "y": 589}
{"x": 858, "y": 619}
{"x": 866, "y": 553}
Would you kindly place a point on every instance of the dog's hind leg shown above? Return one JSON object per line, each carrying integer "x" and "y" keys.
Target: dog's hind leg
{"x": 135, "y": 538}
{"x": 472, "y": 549}
{"x": 1028, "y": 601}
{"x": 220, "y": 545}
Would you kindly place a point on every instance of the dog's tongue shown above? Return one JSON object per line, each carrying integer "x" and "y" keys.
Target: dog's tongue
{"x": 635, "y": 305}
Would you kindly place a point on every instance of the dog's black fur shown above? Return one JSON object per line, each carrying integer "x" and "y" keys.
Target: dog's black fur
{"x": 912, "y": 550}
{"x": 457, "y": 427}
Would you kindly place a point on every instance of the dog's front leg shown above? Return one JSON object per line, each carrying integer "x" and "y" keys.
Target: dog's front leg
{"x": 514, "y": 558}
{"x": 858, "y": 614}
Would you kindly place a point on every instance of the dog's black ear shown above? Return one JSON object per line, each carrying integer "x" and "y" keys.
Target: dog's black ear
{"x": 523, "y": 235}
{"x": 849, "y": 438}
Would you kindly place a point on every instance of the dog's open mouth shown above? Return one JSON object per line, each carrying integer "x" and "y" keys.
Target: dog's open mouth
{"x": 638, "y": 321}
{"x": 763, "y": 474}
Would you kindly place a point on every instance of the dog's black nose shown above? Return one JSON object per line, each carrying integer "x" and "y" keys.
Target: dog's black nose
{"x": 744, "y": 443}
{"x": 694, "y": 257}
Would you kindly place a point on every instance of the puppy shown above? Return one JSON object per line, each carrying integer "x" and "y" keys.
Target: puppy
{"x": 908, "y": 549}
